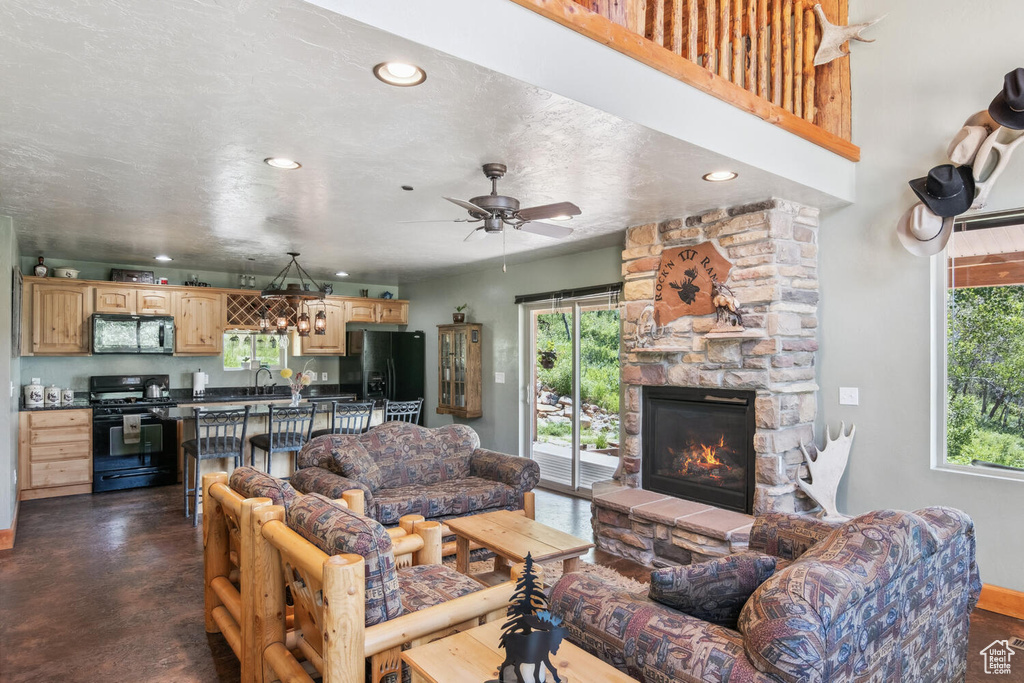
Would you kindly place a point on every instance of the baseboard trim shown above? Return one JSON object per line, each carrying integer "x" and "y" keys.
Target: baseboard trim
{"x": 7, "y": 535}
{"x": 1002, "y": 601}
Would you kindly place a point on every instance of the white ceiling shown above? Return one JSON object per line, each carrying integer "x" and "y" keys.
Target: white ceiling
{"x": 134, "y": 128}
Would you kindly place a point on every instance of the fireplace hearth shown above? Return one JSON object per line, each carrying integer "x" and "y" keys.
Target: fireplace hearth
{"x": 698, "y": 444}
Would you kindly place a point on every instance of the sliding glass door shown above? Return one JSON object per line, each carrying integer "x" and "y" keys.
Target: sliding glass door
{"x": 572, "y": 397}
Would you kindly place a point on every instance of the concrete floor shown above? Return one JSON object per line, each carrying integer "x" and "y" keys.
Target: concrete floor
{"x": 109, "y": 587}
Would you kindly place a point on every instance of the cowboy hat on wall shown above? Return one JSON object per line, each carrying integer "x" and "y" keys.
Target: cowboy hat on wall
{"x": 947, "y": 190}
{"x": 1008, "y": 107}
{"x": 922, "y": 232}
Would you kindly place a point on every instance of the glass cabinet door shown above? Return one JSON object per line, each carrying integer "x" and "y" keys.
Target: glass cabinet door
{"x": 459, "y": 376}
{"x": 444, "y": 383}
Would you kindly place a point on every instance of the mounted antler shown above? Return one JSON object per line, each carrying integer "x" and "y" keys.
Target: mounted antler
{"x": 826, "y": 470}
{"x": 833, "y": 37}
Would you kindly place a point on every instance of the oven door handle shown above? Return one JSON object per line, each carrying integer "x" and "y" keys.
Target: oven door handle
{"x": 134, "y": 473}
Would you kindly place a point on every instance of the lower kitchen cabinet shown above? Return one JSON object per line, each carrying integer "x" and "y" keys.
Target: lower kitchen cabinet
{"x": 54, "y": 453}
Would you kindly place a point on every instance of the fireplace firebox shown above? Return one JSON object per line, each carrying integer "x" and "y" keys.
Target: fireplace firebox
{"x": 698, "y": 444}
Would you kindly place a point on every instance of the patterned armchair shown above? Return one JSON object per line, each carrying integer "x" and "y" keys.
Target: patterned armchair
{"x": 406, "y": 469}
{"x": 884, "y": 597}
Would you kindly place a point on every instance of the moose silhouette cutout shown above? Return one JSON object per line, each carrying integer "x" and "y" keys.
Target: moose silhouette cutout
{"x": 532, "y": 634}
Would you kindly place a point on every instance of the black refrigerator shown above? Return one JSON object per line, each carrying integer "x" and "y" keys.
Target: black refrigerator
{"x": 385, "y": 365}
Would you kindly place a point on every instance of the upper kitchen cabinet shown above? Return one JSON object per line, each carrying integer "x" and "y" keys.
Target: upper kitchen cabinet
{"x": 198, "y": 323}
{"x": 56, "y": 322}
{"x": 332, "y": 343}
{"x": 130, "y": 300}
{"x": 392, "y": 311}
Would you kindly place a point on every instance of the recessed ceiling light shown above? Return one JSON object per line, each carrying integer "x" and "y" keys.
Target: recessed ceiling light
{"x": 560, "y": 218}
{"x": 281, "y": 162}
{"x": 720, "y": 176}
{"x": 399, "y": 73}
{"x": 341, "y": 273}
{"x": 163, "y": 257}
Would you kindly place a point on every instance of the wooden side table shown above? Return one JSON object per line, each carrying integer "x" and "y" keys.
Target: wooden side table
{"x": 473, "y": 656}
{"x": 510, "y": 536}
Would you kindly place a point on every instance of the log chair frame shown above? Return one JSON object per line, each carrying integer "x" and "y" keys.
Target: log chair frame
{"x": 330, "y": 603}
{"x": 229, "y": 591}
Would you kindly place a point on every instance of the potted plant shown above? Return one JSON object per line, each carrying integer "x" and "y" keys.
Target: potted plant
{"x": 547, "y": 358}
{"x": 458, "y": 316}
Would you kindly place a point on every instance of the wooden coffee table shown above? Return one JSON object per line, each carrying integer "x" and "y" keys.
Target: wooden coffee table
{"x": 510, "y": 536}
{"x": 473, "y": 656}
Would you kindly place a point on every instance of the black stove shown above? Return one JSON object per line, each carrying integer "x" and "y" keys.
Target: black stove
{"x": 132, "y": 447}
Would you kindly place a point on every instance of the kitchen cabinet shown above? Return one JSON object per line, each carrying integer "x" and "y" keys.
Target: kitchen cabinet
{"x": 54, "y": 453}
{"x": 330, "y": 344}
{"x": 198, "y": 323}
{"x": 58, "y": 321}
{"x": 393, "y": 311}
{"x": 459, "y": 369}
{"x": 129, "y": 300}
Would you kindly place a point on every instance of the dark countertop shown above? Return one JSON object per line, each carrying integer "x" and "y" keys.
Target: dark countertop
{"x": 77, "y": 405}
{"x": 257, "y": 410}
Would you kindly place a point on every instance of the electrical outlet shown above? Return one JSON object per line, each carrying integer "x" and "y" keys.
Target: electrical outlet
{"x": 499, "y": 378}
{"x": 849, "y": 396}
{"x": 323, "y": 376}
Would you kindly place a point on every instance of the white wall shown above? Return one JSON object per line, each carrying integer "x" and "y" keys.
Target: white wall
{"x": 935, "y": 63}
{"x": 490, "y": 295}
{"x": 10, "y": 370}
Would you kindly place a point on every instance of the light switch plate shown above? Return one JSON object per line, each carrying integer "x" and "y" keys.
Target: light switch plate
{"x": 849, "y": 396}
{"x": 499, "y": 378}
{"x": 323, "y": 376}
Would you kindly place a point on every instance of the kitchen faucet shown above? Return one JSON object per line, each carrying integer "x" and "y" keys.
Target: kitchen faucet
{"x": 256, "y": 380}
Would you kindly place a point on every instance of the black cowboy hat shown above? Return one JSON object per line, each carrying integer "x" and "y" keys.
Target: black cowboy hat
{"x": 947, "y": 190}
{"x": 1008, "y": 106}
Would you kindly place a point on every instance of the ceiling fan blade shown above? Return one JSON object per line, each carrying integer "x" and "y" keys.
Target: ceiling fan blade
{"x": 472, "y": 208}
{"x": 546, "y": 229}
{"x": 447, "y": 220}
{"x": 539, "y": 213}
{"x": 478, "y": 233}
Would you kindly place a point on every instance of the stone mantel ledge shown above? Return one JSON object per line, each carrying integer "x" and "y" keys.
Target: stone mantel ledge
{"x": 706, "y": 520}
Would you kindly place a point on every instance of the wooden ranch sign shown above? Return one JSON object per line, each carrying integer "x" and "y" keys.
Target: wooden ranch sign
{"x": 683, "y": 286}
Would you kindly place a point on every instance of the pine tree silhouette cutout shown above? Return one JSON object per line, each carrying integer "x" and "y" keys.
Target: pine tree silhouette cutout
{"x": 526, "y": 601}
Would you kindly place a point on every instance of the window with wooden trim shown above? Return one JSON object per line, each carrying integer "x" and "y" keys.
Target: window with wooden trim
{"x": 984, "y": 345}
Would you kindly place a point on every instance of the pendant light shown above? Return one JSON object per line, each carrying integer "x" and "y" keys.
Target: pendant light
{"x": 302, "y": 323}
{"x": 264, "y": 319}
{"x": 320, "y": 322}
{"x": 291, "y": 297}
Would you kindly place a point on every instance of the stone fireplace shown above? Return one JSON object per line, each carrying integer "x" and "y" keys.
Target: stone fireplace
{"x": 698, "y": 444}
{"x": 770, "y": 365}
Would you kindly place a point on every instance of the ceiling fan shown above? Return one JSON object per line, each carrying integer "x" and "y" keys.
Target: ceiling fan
{"x": 496, "y": 211}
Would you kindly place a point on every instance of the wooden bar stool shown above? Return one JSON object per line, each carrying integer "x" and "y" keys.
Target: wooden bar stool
{"x": 348, "y": 418}
{"x": 288, "y": 428}
{"x": 219, "y": 434}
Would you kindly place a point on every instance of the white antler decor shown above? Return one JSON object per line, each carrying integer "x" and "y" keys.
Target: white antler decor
{"x": 833, "y": 37}
{"x": 826, "y": 470}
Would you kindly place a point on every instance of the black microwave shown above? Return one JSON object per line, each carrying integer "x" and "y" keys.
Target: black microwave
{"x": 113, "y": 333}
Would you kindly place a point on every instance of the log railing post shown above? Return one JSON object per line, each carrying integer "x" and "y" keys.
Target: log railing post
{"x": 787, "y": 55}
{"x": 763, "y": 75}
{"x": 776, "y": 28}
{"x": 737, "y": 42}
{"x": 693, "y": 31}
{"x": 674, "y": 26}
{"x": 798, "y": 57}
{"x": 344, "y": 619}
{"x": 710, "y": 19}
{"x": 810, "y": 47}
{"x": 216, "y": 548}
{"x": 832, "y": 91}
{"x": 724, "y": 35}
{"x": 636, "y": 16}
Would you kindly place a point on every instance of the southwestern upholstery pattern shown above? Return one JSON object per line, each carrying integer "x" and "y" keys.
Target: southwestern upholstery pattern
{"x": 648, "y": 641}
{"x": 426, "y": 585}
{"x": 887, "y": 597}
{"x": 407, "y": 469}
{"x": 715, "y": 590}
{"x": 336, "y": 530}
{"x": 788, "y": 536}
{"x": 884, "y": 597}
{"x": 253, "y": 483}
{"x": 471, "y": 495}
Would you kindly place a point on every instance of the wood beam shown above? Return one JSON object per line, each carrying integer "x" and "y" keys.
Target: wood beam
{"x": 993, "y": 270}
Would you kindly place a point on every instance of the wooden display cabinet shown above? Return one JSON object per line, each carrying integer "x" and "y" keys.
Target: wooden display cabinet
{"x": 459, "y": 369}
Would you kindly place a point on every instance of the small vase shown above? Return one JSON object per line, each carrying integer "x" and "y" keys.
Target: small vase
{"x": 296, "y": 397}
{"x": 458, "y": 318}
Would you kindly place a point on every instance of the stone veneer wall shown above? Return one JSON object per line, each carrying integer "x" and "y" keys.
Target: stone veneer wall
{"x": 773, "y": 248}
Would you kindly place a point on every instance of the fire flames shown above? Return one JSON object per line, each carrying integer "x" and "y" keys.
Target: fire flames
{"x": 702, "y": 460}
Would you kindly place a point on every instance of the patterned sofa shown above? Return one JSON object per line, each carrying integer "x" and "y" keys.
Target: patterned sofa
{"x": 884, "y": 597}
{"x": 405, "y": 469}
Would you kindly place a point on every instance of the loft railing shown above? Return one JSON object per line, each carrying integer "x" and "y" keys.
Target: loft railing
{"x": 757, "y": 55}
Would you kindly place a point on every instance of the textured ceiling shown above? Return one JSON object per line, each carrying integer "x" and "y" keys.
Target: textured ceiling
{"x": 133, "y": 128}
